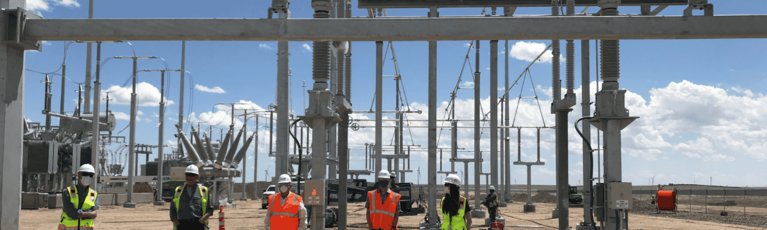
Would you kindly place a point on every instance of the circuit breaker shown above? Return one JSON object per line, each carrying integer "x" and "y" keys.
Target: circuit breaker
{"x": 314, "y": 192}
{"x": 619, "y": 195}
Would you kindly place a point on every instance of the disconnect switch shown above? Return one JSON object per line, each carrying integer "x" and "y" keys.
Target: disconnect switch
{"x": 619, "y": 195}
{"x": 314, "y": 192}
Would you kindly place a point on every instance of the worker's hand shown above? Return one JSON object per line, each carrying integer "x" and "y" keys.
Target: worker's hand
{"x": 175, "y": 223}
{"x": 204, "y": 218}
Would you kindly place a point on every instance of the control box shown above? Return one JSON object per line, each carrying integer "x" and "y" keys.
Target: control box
{"x": 619, "y": 195}
{"x": 314, "y": 192}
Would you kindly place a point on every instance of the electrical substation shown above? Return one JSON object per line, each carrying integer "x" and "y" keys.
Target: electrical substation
{"x": 312, "y": 144}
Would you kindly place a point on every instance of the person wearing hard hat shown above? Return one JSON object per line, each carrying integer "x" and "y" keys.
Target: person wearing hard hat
{"x": 286, "y": 209}
{"x": 191, "y": 208}
{"x": 454, "y": 207}
{"x": 491, "y": 202}
{"x": 393, "y": 184}
{"x": 80, "y": 211}
{"x": 382, "y": 205}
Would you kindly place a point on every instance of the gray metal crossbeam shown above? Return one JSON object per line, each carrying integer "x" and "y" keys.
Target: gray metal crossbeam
{"x": 363, "y": 4}
{"x": 400, "y": 29}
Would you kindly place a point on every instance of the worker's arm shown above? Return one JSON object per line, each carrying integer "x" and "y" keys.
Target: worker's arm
{"x": 367, "y": 213}
{"x": 266, "y": 219}
{"x": 173, "y": 214}
{"x": 301, "y": 216}
{"x": 69, "y": 208}
{"x": 396, "y": 219}
{"x": 467, "y": 217}
{"x": 209, "y": 210}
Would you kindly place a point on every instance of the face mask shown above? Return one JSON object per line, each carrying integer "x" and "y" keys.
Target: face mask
{"x": 283, "y": 188}
{"x": 86, "y": 180}
{"x": 383, "y": 183}
{"x": 447, "y": 190}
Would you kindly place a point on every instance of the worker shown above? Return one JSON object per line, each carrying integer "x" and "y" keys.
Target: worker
{"x": 393, "y": 185}
{"x": 454, "y": 207}
{"x": 652, "y": 199}
{"x": 286, "y": 209}
{"x": 382, "y": 205}
{"x": 491, "y": 202}
{"x": 191, "y": 208}
{"x": 83, "y": 201}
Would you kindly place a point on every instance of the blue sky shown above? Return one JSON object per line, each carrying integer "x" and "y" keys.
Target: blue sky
{"x": 701, "y": 101}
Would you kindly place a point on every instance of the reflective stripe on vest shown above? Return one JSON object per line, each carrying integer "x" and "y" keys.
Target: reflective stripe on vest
{"x": 284, "y": 216}
{"x": 203, "y": 197}
{"x": 65, "y": 222}
{"x": 382, "y": 216}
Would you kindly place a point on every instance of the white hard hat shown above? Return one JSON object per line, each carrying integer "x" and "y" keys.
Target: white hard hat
{"x": 384, "y": 174}
{"x": 87, "y": 168}
{"x": 453, "y": 179}
{"x": 284, "y": 178}
{"x": 192, "y": 169}
{"x": 492, "y": 188}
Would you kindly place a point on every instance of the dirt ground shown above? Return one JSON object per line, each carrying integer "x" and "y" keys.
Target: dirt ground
{"x": 248, "y": 215}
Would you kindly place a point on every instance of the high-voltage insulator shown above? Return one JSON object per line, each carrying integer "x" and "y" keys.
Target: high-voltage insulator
{"x": 200, "y": 149}
{"x": 192, "y": 152}
{"x": 243, "y": 150}
{"x": 209, "y": 146}
{"x": 222, "y": 149}
{"x": 233, "y": 149}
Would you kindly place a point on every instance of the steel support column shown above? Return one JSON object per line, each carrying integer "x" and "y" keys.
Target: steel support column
{"x": 343, "y": 126}
{"x": 587, "y": 155}
{"x": 494, "y": 113}
{"x": 180, "y": 148}
{"x": 432, "y": 191}
{"x": 379, "y": 106}
{"x": 95, "y": 150}
{"x": 477, "y": 212}
{"x": 506, "y": 121}
{"x": 132, "y": 142}
{"x": 283, "y": 94}
{"x": 158, "y": 198}
{"x": 11, "y": 120}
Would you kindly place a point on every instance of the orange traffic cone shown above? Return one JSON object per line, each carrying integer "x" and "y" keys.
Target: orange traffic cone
{"x": 221, "y": 225}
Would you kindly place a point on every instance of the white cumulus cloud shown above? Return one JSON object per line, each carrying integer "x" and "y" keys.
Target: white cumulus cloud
{"x": 528, "y": 51}
{"x": 307, "y": 47}
{"x": 215, "y": 89}
{"x": 264, "y": 46}
{"x": 146, "y": 95}
{"x": 45, "y": 5}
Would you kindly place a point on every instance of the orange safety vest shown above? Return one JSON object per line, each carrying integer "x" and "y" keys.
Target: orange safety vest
{"x": 284, "y": 216}
{"x": 382, "y": 215}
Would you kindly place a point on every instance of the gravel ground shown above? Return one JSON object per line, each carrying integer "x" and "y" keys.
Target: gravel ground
{"x": 645, "y": 208}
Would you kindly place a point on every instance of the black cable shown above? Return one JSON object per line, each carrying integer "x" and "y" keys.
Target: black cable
{"x": 300, "y": 155}
{"x": 591, "y": 169}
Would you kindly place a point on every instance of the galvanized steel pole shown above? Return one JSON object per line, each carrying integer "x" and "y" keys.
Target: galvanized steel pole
{"x": 432, "y": 192}
{"x": 179, "y": 148}
{"x": 587, "y": 155}
{"x": 95, "y": 155}
{"x": 477, "y": 212}
{"x": 132, "y": 142}
{"x": 283, "y": 94}
{"x": 88, "y": 61}
{"x": 379, "y": 105}
{"x": 158, "y": 198}
{"x": 494, "y": 113}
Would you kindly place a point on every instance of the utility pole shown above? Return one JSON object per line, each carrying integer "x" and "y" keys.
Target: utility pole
{"x": 132, "y": 143}
{"x": 180, "y": 149}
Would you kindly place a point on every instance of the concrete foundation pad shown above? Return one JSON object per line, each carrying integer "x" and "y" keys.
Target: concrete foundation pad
{"x": 529, "y": 208}
{"x": 477, "y": 213}
{"x": 581, "y": 227}
{"x": 159, "y": 203}
{"x": 555, "y": 213}
{"x": 129, "y": 205}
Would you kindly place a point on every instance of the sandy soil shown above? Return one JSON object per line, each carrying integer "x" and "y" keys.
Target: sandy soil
{"x": 248, "y": 215}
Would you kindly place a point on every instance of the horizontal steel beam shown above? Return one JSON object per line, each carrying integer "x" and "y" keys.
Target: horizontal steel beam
{"x": 400, "y": 29}
{"x": 362, "y": 4}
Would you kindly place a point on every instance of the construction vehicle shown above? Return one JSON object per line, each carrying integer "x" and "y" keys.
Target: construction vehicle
{"x": 574, "y": 196}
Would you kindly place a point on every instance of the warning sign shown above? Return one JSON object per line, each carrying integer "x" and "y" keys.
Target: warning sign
{"x": 622, "y": 204}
